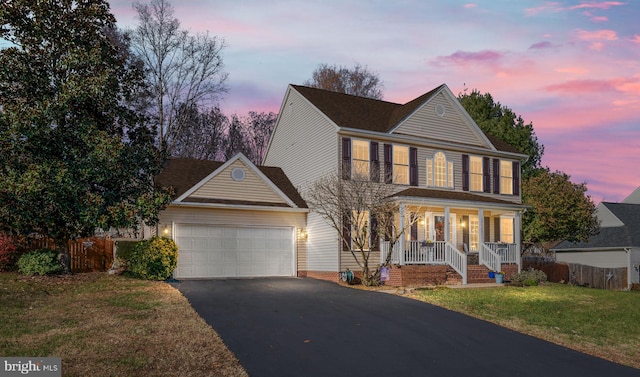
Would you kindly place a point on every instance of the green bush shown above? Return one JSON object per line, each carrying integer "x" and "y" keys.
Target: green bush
{"x": 40, "y": 262}
{"x": 529, "y": 278}
{"x": 153, "y": 259}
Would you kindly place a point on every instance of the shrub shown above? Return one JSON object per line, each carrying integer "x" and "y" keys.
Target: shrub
{"x": 40, "y": 262}
{"x": 9, "y": 253}
{"x": 528, "y": 278}
{"x": 153, "y": 259}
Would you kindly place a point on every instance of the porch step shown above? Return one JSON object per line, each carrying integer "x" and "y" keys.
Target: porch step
{"x": 478, "y": 274}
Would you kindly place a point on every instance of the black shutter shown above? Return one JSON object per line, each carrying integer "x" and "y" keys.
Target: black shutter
{"x": 487, "y": 229}
{"x": 346, "y": 233}
{"x": 496, "y": 229}
{"x": 414, "y": 228}
{"x": 465, "y": 231}
{"x": 465, "y": 172}
{"x": 486, "y": 175}
{"x": 516, "y": 178}
{"x": 496, "y": 176}
{"x": 413, "y": 166}
{"x": 375, "y": 240}
{"x": 388, "y": 163}
{"x": 374, "y": 165}
{"x": 346, "y": 158}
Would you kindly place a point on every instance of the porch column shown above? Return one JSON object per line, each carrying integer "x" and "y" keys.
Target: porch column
{"x": 403, "y": 227}
{"x": 447, "y": 220}
{"x": 480, "y": 227}
{"x": 517, "y": 224}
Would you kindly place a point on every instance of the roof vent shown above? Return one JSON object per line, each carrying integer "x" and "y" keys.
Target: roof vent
{"x": 237, "y": 174}
{"x": 440, "y": 110}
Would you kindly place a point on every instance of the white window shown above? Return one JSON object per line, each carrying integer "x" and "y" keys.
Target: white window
{"x": 475, "y": 173}
{"x": 506, "y": 229}
{"x": 439, "y": 171}
{"x": 400, "y": 165}
{"x": 360, "y": 160}
{"x": 474, "y": 233}
{"x": 434, "y": 227}
{"x": 361, "y": 229}
{"x": 506, "y": 177}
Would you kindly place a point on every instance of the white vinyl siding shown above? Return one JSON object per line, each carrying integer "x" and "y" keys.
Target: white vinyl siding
{"x": 305, "y": 145}
{"x": 222, "y": 186}
{"x": 452, "y": 127}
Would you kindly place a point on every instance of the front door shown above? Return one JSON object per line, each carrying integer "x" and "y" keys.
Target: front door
{"x": 434, "y": 227}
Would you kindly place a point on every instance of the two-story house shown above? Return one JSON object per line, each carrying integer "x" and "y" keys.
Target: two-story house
{"x": 463, "y": 184}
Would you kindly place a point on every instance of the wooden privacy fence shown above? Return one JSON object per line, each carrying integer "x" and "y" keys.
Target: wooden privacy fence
{"x": 86, "y": 254}
{"x": 598, "y": 277}
{"x": 578, "y": 274}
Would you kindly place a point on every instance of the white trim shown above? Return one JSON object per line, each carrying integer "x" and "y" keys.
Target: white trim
{"x": 239, "y": 207}
{"x": 224, "y": 166}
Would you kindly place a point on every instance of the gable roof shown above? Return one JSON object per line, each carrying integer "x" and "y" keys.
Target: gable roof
{"x": 183, "y": 174}
{"x": 415, "y": 192}
{"x": 627, "y": 235}
{"x": 369, "y": 114}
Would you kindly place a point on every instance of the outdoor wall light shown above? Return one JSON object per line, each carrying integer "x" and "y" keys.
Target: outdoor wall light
{"x": 462, "y": 224}
{"x": 302, "y": 233}
{"x": 166, "y": 230}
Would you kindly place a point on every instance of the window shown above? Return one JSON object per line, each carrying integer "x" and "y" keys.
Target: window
{"x": 360, "y": 160}
{"x": 474, "y": 233}
{"x": 506, "y": 177}
{"x": 401, "y": 165}
{"x": 361, "y": 229}
{"x": 506, "y": 229}
{"x": 475, "y": 173}
{"x": 434, "y": 227}
{"x": 439, "y": 171}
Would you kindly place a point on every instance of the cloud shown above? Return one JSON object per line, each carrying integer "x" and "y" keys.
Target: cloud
{"x": 597, "y": 5}
{"x": 548, "y": 6}
{"x": 471, "y": 5}
{"x": 582, "y": 86}
{"x": 465, "y": 57}
{"x": 598, "y": 35}
{"x": 540, "y": 45}
{"x": 635, "y": 39}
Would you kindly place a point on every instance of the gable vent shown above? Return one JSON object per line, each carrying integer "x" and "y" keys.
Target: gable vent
{"x": 440, "y": 110}
{"x": 237, "y": 174}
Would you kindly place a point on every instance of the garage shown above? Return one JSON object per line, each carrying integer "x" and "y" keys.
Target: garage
{"x": 213, "y": 251}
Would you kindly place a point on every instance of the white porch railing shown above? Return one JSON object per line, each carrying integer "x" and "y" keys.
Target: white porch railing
{"x": 416, "y": 252}
{"x": 490, "y": 258}
{"x": 508, "y": 251}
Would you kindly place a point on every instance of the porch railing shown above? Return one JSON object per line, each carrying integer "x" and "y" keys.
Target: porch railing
{"x": 490, "y": 258}
{"x": 417, "y": 252}
{"x": 508, "y": 251}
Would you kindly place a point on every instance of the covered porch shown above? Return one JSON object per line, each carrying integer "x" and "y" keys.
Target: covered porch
{"x": 458, "y": 234}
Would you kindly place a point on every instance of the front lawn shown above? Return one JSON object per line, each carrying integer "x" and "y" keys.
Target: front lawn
{"x": 106, "y": 325}
{"x": 595, "y": 321}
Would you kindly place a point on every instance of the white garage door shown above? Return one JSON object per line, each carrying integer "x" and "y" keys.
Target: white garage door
{"x": 220, "y": 251}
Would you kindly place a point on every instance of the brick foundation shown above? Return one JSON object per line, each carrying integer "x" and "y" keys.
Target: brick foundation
{"x": 416, "y": 275}
{"x": 321, "y": 275}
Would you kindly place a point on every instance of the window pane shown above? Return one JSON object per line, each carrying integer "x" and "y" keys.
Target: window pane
{"x": 450, "y": 184}
{"x": 429, "y": 172}
{"x": 360, "y": 163}
{"x": 506, "y": 229}
{"x": 361, "y": 229}
{"x": 506, "y": 177}
{"x": 474, "y": 234}
{"x": 401, "y": 165}
{"x": 440, "y": 170}
{"x": 475, "y": 173}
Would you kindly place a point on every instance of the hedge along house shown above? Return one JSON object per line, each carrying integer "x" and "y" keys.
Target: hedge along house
{"x": 233, "y": 219}
{"x": 464, "y": 184}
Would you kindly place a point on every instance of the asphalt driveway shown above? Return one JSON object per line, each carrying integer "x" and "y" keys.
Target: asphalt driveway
{"x": 305, "y": 327}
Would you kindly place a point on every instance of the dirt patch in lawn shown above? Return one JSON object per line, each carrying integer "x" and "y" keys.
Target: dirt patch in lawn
{"x": 106, "y": 325}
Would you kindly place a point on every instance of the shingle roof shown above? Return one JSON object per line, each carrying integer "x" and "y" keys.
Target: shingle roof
{"x": 183, "y": 173}
{"x": 368, "y": 114}
{"x": 415, "y": 192}
{"x": 617, "y": 236}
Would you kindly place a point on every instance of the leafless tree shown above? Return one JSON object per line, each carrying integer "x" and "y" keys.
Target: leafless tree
{"x": 358, "y": 81}
{"x": 260, "y": 126}
{"x": 203, "y": 134}
{"x": 182, "y": 69}
{"x": 361, "y": 212}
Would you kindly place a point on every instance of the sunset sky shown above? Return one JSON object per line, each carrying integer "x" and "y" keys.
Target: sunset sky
{"x": 571, "y": 68}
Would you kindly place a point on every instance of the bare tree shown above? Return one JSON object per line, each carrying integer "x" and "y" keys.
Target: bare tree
{"x": 361, "y": 212}
{"x": 182, "y": 69}
{"x": 358, "y": 81}
{"x": 237, "y": 138}
{"x": 260, "y": 126}
{"x": 203, "y": 133}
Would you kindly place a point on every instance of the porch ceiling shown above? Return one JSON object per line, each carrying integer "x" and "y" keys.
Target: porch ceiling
{"x": 458, "y": 198}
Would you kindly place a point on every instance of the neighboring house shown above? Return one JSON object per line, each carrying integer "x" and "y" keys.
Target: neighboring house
{"x": 233, "y": 219}
{"x": 463, "y": 183}
{"x": 616, "y": 245}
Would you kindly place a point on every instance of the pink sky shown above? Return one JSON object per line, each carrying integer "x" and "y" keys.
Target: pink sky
{"x": 572, "y": 68}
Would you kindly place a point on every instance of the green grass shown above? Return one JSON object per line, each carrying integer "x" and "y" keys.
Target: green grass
{"x": 600, "y": 322}
{"x": 106, "y": 325}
